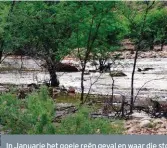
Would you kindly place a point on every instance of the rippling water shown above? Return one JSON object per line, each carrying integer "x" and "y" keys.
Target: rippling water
{"x": 103, "y": 85}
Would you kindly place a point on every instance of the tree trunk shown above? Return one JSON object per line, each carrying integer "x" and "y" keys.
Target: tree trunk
{"x": 112, "y": 96}
{"x": 132, "y": 81}
{"x": 53, "y": 78}
{"x": 54, "y": 82}
{"x": 1, "y": 53}
{"x": 138, "y": 48}
{"x": 152, "y": 42}
{"x": 152, "y": 46}
{"x": 162, "y": 44}
{"x": 82, "y": 84}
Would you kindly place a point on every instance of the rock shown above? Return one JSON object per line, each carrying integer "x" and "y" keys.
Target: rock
{"x": 71, "y": 91}
{"x": 145, "y": 69}
{"x": 163, "y": 125}
{"x": 157, "y": 121}
{"x": 117, "y": 74}
{"x": 145, "y": 123}
{"x": 158, "y": 126}
{"x": 163, "y": 119}
{"x": 132, "y": 129}
{"x": 63, "y": 67}
{"x": 97, "y": 131}
{"x": 93, "y": 70}
{"x": 55, "y": 93}
{"x": 139, "y": 70}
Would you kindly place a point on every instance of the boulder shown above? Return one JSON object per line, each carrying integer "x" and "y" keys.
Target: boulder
{"x": 132, "y": 129}
{"x": 117, "y": 74}
{"x": 93, "y": 70}
{"x": 145, "y": 123}
{"x": 63, "y": 67}
{"x": 71, "y": 91}
{"x": 145, "y": 69}
{"x": 157, "y": 121}
{"x": 54, "y": 92}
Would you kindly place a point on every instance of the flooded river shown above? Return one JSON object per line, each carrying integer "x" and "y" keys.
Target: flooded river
{"x": 157, "y": 77}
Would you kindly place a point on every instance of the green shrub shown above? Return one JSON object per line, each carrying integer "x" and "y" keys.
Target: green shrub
{"x": 34, "y": 116}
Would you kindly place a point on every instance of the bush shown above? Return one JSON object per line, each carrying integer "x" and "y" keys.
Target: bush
{"x": 34, "y": 116}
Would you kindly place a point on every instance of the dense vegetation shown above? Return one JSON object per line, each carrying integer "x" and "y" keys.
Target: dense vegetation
{"x": 50, "y": 30}
{"x": 35, "y": 115}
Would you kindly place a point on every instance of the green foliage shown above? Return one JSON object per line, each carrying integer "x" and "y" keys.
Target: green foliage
{"x": 43, "y": 29}
{"x": 97, "y": 28}
{"x": 157, "y": 24}
{"x": 154, "y": 29}
{"x": 34, "y": 116}
{"x": 4, "y": 9}
{"x": 40, "y": 29}
{"x": 81, "y": 123}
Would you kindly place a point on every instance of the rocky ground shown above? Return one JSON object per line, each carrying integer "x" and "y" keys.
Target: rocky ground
{"x": 127, "y": 51}
{"x": 142, "y": 124}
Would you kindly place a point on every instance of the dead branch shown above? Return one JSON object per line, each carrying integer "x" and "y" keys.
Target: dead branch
{"x": 92, "y": 83}
{"x": 144, "y": 85}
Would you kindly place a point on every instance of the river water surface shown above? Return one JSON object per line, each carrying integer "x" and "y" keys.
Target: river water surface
{"x": 156, "y": 87}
